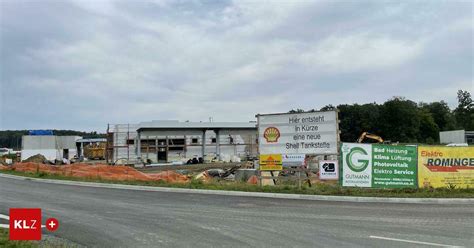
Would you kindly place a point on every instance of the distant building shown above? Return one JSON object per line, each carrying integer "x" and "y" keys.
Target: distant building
{"x": 50, "y": 146}
{"x": 91, "y": 148}
{"x": 456, "y": 136}
{"x": 5, "y": 151}
{"x": 173, "y": 141}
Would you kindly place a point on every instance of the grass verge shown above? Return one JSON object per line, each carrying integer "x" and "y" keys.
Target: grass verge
{"x": 5, "y": 242}
{"x": 319, "y": 189}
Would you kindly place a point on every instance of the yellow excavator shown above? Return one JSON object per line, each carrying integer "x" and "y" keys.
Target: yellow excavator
{"x": 366, "y": 135}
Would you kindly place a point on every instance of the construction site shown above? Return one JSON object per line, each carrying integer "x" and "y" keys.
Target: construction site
{"x": 299, "y": 149}
{"x": 166, "y": 150}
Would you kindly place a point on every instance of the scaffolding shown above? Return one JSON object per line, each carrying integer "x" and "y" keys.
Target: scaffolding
{"x": 120, "y": 144}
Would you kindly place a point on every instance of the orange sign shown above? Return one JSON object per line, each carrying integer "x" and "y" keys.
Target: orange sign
{"x": 271, "y": 162}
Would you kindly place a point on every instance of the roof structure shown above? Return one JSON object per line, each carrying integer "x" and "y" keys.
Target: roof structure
{"x": 195, "y": 125}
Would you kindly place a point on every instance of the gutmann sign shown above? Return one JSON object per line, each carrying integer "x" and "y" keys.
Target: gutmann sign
{"x": 298, "y": 133}
{"x": 378, "y": 166}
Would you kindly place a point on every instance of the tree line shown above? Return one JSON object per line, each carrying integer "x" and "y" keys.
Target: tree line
{"x": 403, "y": 120}
{"x": 397, "y": 119}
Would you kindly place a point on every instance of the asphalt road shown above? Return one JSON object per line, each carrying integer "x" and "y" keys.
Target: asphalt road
{"x": 100, "y": 217}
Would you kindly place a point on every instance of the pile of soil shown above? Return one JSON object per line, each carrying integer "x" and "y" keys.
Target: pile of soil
{"x": 102, "y": 171}
{"x": 169, "y": 176}
{"x": 38, "y": 158}
{"x": 3, "y": 167}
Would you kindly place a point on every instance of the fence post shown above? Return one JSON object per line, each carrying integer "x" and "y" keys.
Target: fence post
{"x": 299, "y": 178}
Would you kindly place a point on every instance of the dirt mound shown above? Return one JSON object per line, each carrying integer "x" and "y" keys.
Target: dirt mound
{"x": 169, "y": 176}
{"x": 38, "y": 158}
{"x": 102, "y": 171}
{"x": 3, "y": 167}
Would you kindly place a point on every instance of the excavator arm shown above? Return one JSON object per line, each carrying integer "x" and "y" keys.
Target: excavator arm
{"x": 366, "y": 135}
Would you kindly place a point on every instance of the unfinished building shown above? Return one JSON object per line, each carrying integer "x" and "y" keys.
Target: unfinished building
{"x": 50, "y": 146}
{"x": 174, "y": 141}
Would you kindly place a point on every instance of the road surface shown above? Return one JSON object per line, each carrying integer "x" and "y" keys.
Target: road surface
{"x": 101, "y": 217}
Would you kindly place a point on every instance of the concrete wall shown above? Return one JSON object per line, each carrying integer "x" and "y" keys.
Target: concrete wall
{"x": 66, "y": 142}
{"x": 50, "y": 154}
{"x": 456, "y": 136}
{"x": 39, "y": 142}
{"x": 49, "y": 146}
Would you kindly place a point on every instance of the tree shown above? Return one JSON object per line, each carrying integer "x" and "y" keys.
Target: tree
{"x": 464, "y": 113}
{"x": 349, "y": 125}
{"x": 400, "y": 120}
{"x": 441, "y": 114}
{"x": 328, "y": 108}
{"x": 296, "y": 111}
{"x": 429, "y": 130}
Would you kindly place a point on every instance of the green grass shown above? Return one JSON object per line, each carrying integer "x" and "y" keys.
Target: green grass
{"x": 319, "y": 189}
{"x": 5, "y": 242}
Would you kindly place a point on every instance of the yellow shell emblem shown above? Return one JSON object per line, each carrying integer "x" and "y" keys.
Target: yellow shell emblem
{"x": 271, "y": 134}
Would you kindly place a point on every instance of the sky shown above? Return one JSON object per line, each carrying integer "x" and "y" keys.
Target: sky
{"x": 82, "y": 64}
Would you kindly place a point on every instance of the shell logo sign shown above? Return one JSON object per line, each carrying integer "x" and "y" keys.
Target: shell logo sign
{"x": 271, "y": 134}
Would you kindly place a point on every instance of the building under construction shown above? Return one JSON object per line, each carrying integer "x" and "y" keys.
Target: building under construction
{"x": 178, "y": 142}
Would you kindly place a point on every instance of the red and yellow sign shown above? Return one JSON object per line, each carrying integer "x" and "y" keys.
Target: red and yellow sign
{"x": 441, "y": 166}
{"x": 271, "y": 162}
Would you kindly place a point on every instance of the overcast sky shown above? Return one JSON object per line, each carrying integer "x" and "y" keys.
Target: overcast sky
{"x": 82, "y": 64}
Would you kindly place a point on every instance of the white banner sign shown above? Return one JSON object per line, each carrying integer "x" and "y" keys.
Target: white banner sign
{"x": 293, "y": 159}
{"x": 328, "y": 169}
{"x": 304, "y": 133}
{"x": 356, "y": 165}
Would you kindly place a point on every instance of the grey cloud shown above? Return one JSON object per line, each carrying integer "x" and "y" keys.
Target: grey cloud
{"x": 83, "y": 64}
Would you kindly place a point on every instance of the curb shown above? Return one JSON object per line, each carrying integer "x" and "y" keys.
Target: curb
{"x": 251, "y": 194}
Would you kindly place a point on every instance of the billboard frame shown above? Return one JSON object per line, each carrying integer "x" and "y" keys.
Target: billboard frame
{"x": 325, "y": 156}
{"x": 338, "y": 131}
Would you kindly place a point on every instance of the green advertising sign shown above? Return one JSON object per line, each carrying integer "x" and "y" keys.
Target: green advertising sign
{"x": 394, "y": 166}
{"x": 379, "y": 166}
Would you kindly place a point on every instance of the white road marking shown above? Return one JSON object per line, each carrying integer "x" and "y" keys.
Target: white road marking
{"x": 8, "y": 226}
{"x": 413, "y": 241}
{"x": 6, "y": 217}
